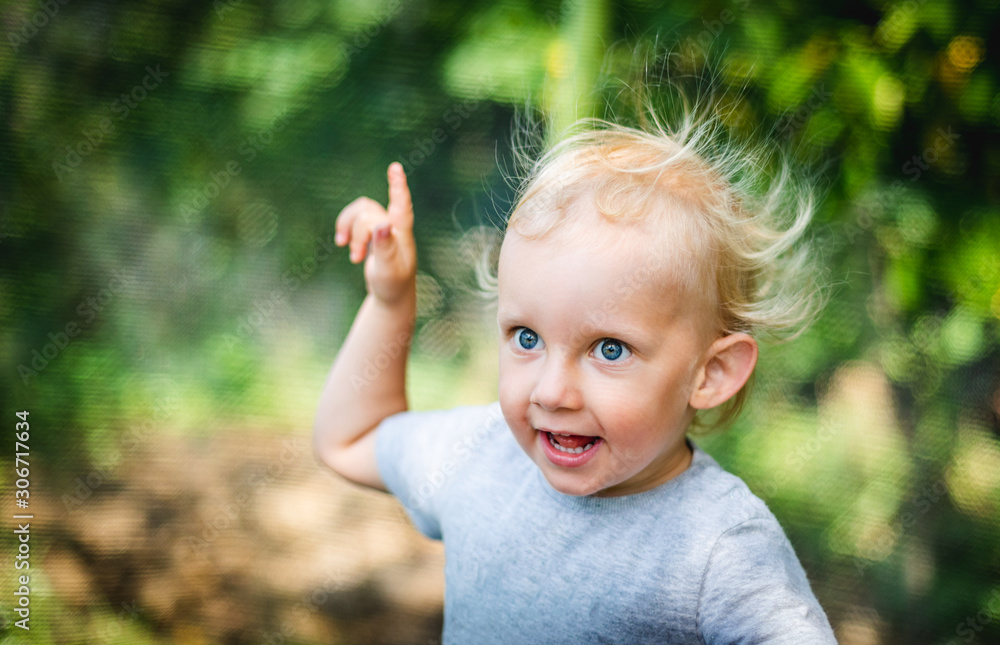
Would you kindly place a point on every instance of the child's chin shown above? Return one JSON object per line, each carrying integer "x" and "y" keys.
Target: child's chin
{"x": 571, "y": 485}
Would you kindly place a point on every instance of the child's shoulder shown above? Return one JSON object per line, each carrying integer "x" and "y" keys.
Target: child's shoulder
{"x": 424, "y": 438}
{"x": 749, "y": 555}
{"x": 718, "y": 496}
{"x": 446, "y": 424}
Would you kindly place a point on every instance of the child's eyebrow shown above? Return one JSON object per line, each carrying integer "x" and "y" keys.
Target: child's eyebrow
{"x": 504, "y": 318}
{"x": 632, "y": 335}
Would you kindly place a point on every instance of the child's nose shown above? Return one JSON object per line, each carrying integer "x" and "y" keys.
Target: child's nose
{"x": 557, "y": 386}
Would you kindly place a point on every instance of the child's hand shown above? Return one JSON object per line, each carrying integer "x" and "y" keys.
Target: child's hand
{"x": 392, "y": 263}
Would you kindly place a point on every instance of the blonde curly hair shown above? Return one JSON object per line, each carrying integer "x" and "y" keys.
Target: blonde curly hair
{"x": 740, "y": 210}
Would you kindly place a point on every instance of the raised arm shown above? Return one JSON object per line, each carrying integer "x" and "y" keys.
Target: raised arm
{"x": 367, "y": 382}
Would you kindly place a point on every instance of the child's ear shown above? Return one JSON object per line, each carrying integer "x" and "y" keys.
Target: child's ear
{"x": 729, "y": 363}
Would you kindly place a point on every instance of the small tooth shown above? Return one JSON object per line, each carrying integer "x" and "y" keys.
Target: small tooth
{"x": 574, "y": 451}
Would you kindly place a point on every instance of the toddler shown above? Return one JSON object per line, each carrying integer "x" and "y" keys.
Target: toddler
{"x": 636, "y": 270}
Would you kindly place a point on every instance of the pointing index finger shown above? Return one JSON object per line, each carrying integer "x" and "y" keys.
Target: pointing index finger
{"x": 400, "y": 205}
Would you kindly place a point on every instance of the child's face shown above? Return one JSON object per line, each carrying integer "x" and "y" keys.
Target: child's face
{"x": 594, "y": 344}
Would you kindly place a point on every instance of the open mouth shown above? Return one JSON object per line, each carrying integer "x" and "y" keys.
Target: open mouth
{"x": 568, "y": 450}
{"x": 571, "y": 443}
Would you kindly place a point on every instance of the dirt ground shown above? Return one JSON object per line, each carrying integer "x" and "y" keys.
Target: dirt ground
{"x": 241, "y": 538}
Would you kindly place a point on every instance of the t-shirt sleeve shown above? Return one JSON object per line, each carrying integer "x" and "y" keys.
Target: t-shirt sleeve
{"x": 417, "y": 454}
{"x": 755, "y": 591}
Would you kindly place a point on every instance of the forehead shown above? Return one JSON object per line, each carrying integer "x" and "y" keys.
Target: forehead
{"x": 594, "y": 267}
{"x": 656, "y": 251}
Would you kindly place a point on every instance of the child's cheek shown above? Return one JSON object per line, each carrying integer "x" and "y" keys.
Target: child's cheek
{"x": 509, "y": 399}
{"x": 513, "y": 380}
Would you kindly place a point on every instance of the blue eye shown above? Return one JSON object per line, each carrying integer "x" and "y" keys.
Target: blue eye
{"x": 612, "y": 349}
{"x": 526, "y": 338}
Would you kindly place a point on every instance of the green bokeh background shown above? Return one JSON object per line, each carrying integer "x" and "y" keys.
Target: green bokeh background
{"x": 181, "y": 225}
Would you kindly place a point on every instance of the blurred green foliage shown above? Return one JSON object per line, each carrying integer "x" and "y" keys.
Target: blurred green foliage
{"x": 170, "y": 172}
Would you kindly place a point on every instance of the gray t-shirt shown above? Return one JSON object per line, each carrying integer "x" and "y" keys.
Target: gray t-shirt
{"x": 698, "y": 559}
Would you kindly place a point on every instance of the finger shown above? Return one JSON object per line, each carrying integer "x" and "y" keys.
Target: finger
{"x": 350, "y": 214}
{"x": 383, "y": 241}
{"x": 361, "y": 234}
{"x": 400, "y": 203}
{"x": 345, "y": 220}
